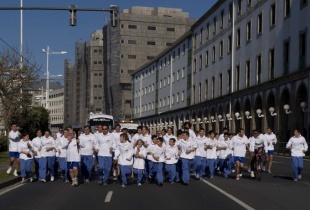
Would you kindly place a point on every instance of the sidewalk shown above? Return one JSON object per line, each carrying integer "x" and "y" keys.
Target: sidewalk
{"x": 6, "y": 179}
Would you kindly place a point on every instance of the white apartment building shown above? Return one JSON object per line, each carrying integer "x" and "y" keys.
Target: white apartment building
{"x": 249, "y": 60}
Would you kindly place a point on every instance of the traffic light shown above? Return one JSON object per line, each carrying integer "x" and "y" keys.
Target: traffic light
{"x": 72, "y": 15}
{"x": 113, "y": 15}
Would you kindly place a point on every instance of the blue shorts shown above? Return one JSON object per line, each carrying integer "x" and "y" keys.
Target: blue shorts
{"x": 14, "y": 154}
{"x": 270, "y": 152}
{"x": 71, "y": 165}
{"x": 240, "y": 159}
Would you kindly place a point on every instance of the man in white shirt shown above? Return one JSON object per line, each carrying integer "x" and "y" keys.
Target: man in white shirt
{"x": 187, "y": 149}
{"x": 14, "y": 137}
{"x": 212, "y": 146}
{"x": 201, "y": 154}
{"x": 158, "y": 153}
{"x": 87, "y": 147}
{"x": 104, "y": 146}
{"x": 73, "y": 157}
{"x": 298, "y": 146}
{"x": 239, "y": 144}
{"x": 137, "y": 136}
{"x": 271, "y": 142}
{"x": 62, "y": 150}
{"x": 187, "y": 127}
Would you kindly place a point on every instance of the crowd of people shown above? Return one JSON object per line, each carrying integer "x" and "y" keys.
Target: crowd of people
{"x": 154, "y": 158}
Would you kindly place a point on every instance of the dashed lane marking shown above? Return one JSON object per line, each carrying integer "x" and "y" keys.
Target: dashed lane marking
{"x": 108, "y": 197}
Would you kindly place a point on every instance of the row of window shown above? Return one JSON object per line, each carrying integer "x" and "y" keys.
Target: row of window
{"x": 145, "y": 91}
{"x": 55, "y": 111}
{"x": 97, "y": 74}
{"x": 150, "y": 28}
{"x": 58, "y": 118}
{"x": 175, "y": 77}
{"x": 97, "y": 62}
{"x": 98, "y": 98}
{"x": 162, "y": 103}
{"x": 272, "y": 20}
{"x": 56, "y": 95}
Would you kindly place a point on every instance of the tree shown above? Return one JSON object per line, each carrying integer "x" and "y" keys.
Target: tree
{"x": 14, "y": 78}
{"x": 33, "y": 118}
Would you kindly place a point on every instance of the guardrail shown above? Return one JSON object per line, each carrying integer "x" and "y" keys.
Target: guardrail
{"x": 280, "y": 149}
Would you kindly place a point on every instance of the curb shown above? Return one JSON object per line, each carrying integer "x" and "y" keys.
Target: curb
{"x": 10, "y": 182}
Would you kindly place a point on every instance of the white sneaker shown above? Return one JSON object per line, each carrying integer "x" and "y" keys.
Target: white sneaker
{"x": 249, "y": 170}
{"x": 139, "y": 184}
{"x": 299, "y": 176}
{"x": 269, "y": 171}
{"x": 114, "y": 172}
{"x": 197, "y": 176}
{"x": 42, "y": 180}
{"x": 31, "y": 179}
{"x": 52, "y": 178}
{"x": 23, "y": 181}
{"x": 233, "y": 171}
{"x": 123, "y": 185}
{"x": 15, "y": 173}
{"x": 252, "y": 174}
{"x": 240, "y": 175}
{"x": 263, "y": 168}
{"x": 9, "y": 170}
{"x": 86, "y": 180}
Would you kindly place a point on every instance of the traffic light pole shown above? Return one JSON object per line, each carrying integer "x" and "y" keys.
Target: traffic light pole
{"x": 72, "y": 11}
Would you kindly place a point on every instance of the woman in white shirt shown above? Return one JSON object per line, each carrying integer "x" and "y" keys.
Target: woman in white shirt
{"x": 158, "y": 153}
{"x": 171, "y": 156}
{"x": 139, "y": 160}
{"x": 36, "y": 142}
{"x": 25, "y": 150}
{"x": 73, "y": 157}
{"x": 298, "y": 146}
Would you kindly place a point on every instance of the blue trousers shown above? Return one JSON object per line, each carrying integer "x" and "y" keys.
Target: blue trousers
{"x": 42, "y": 167}
{"x": 178, "y": 170}
{"x": 36, "y": 166}
{"x": 171, "y": 170}
{"x": 139, "y": 173}
{"x": 25, "y": 167}
{"x": 157, "y": 170}
{"x": 225, "y": 165}
{"x": 104, "y": 168}
{"x": 211, "y": 164}
{"x": 125, "y": 170}
{"x": 87, "y": 162}
{"x": 63, "y": 167}
{"x": 51, "y": 165}
{"x": 186, "y": 165}
{"x": 200, "y": 163}
{"x": 297, "y": 165}
{"x": 148, "y": 167}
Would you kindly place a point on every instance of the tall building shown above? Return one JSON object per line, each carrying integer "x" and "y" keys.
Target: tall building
{"x": 141, "y": 34}
{"x": 248, "y": 67}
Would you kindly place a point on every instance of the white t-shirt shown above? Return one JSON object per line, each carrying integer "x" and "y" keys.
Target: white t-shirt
{"x": 257, "y": 142}
{"x": 14, "y": 137}
{"x": 201, "y": 141}
{"x": 211, "y": 153}
{"x": 47, "y": 142}
{"x": 73, "y": 152}
{"x": 104, "y": 143}
{"x": 299, "y": 145}
{"x": 238, "y": 145}
{"x": 271, "y": 138}
{"x": 225, "y": 152}
{"x": 159, "y": 152}
{"x": 62, "y": 146}
{"x": 87, "y": 144}
{"x": 23, "y": 146}
{"x": 172, "y": 154}
{"x": 124, "y": 153}
{"x": 167, "y": 138}
{"x": 36, "y": 144}
{"x": 187, "y": 145}
{"x": 139, "y": 162}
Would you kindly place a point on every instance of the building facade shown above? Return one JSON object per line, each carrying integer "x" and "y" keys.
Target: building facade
{"x": 142, "y": 33}
{"x": 249, "y": 68}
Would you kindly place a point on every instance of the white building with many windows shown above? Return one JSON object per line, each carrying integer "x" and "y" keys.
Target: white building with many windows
{"x": 245, "y": 61}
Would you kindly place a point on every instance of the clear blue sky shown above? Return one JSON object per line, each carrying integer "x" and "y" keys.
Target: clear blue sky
{"x": 42, "y": 28}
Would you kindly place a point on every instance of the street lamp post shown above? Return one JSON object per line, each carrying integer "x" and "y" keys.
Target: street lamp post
{"x": 48, "y": 51}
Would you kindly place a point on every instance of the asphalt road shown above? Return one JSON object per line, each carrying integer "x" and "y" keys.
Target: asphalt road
{"x": 274, "y": 191}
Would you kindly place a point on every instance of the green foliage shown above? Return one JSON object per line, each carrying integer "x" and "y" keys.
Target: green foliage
{"x": 32, "y": 119}
{"x": 3, "y": 143}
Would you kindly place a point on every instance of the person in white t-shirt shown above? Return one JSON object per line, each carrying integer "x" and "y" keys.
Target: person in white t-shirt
{"x": 212, "y": 148}
{"x": 139, "y": 160}
{"x": 187, "y": 127}
{"x": 187, "y": 147}
{"x": 171, "y": 159}
{"x": 271, "y": 142}
{"x": 124, "y": 157}
{"x": 137, "y": 136}
{"x": 62, "y": 150}
{"x": 26, "y": 156}
{"x": 158, "y": 154}
{"x": 239, "y": 145}
{"x": 87, "y": 147}
{"x": 14, "y": 138}
{"x": 36, "y": 143}
{"x": 47, "y": 156}
{"x": 73, "y": 158}
{"x": 201, "y": 154}
{"x": 225, "y": 155}
{"x": 298, "y": 146}
{"x": 59, "y": 133}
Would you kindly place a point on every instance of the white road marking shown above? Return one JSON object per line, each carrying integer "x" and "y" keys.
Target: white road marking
{"x": 244, "y": 205}
{"x": 109, "y": 196}
{"x": 8, "y": 189}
